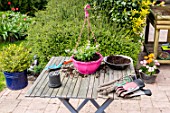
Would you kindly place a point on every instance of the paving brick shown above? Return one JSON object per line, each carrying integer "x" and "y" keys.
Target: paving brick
{"x": 150, "y": 110}
{"x": 63, "y": 110}
{"x": 34, "y": 111}
{"x": 37, "y": 106}
{"x": 25, "y": 102}
{"x": 51, "y": 108}
{"x": 20, "y": 109}
{"x": 130, "y": 107}
{"x": 54, "y": 101}
{"x": 7, "y": 108}
{"x": 134, "y": 111}
{"x": 165, "y": 110}
{"x": 158, "y": 95}
{"x": 160, "y": 104}
{"x": 147, "y": 103}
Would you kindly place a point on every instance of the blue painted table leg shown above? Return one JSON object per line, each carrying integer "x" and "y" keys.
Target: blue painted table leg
{"x": 104, "y": 105}
{"x": 82, "y": 104}
{"x": 68, "y": 105}
{"x": 95, "y": 104}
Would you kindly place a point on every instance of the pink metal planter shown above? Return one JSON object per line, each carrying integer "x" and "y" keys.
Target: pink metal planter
{"x": 87, "y": 67}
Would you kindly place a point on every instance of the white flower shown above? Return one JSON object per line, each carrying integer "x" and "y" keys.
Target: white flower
{"x": 147, "y": 66}
{"x": 157, "y": 63}
{"x": 88, "y": 47}
{"x": 141, "y": 62}
{"x": 151, "y": 69}
{"x": 154, "y": 67}
{"x": 144, "y": 61}
{"x": 67, "y": 50}
{"x": 140, "y": 70}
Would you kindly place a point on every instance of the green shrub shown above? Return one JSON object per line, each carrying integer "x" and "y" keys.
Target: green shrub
{"x": 24, "y": 6}
{"x": 127, "y": 13}
{"x": 15, "y": 58}
{"x": 13, "y": 25}
{"x": 57, "y": 29}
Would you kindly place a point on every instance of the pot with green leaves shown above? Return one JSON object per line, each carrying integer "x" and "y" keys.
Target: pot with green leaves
{"x": 14, "y": 61}
{"x": 86, "y": 59}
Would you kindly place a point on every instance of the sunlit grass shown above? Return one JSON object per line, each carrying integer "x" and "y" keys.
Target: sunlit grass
{"x": 2, "y": 81}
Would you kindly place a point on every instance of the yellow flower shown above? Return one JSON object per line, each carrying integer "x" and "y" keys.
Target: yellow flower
{"x": 151, "y": 55}
{"x": 145, "y": 57}
{"x": 162, "y": 3}
{"x": 149, "y": 60}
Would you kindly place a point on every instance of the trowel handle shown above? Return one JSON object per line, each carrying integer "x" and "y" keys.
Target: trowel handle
{"x": 67, "y": 61}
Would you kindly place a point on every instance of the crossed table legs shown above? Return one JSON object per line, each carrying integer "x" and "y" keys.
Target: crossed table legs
{"x": 100, "y": 109}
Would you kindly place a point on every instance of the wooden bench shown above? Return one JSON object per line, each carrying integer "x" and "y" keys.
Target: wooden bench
{"x": 77, "y": 87}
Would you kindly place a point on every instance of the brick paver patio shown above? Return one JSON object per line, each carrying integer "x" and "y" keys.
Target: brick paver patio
{"x": 159, "y": 102}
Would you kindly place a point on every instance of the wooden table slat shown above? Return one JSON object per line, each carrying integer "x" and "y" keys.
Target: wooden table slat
{"x": 91, "y": 84}
{"x": 77, "y": 87}
{"x": 72, "y": 86}
{"x": 84, "y": 87}
{"x": 42, "y": 86}
{"x": 62, "y": 76}
{"x": 33, "y": 87}
{"x": 47, "y": 91}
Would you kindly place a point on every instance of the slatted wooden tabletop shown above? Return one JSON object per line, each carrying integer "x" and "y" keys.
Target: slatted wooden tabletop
{"x": 74, "y": 87}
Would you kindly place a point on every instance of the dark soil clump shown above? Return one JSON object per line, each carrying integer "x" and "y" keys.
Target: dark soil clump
{"x": 118, "y": 60}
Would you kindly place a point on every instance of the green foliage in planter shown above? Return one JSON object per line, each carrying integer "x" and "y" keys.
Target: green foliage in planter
{"x": 13, "y": 25}
{"x": 15, "y": 58}
{"x": 57, "y": 28}
{"x": 24, "y": 6}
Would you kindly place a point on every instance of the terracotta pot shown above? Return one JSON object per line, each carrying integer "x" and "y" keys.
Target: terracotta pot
{"x": 87, "y": 67}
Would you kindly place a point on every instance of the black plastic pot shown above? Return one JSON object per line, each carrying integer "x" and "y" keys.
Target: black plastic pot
{"x": 117, "y": 66}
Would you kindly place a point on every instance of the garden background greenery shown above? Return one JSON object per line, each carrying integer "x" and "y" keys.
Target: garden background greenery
{"x": 54, "y": 26}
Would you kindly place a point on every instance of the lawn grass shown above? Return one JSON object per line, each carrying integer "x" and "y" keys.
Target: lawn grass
{"x": 2, "y": 78}
{"x": 2, "y": 81}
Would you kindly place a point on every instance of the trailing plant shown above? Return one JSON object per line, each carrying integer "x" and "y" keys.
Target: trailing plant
{"x": 60, "y": 27}
{"x": 24, "y": 6}
{"x": 13, "y": 25}
{"x": 15, "y": 58}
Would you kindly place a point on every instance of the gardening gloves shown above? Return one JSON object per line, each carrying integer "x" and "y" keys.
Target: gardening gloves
{"x": 126, "y": 88}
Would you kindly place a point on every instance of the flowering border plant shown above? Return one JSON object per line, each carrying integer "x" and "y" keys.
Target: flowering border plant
{"x": 149, "y": 65}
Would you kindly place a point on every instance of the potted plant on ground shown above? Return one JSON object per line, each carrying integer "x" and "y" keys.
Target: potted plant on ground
{"x": 149, "y": 68}
{"x": 14, "y": 61}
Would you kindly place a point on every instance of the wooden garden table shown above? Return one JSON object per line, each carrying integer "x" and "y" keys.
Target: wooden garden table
{"x": 77, "y": 87}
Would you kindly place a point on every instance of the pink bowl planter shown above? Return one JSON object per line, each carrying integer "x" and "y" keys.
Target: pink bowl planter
{"x": 87, "y": 67}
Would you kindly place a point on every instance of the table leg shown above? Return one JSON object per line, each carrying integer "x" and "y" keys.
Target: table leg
{"x": 82, "y": 104}
{"x": 95, "y": 104}
{"x": 104, "y": 105}
{"x": 68, "y": 105}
